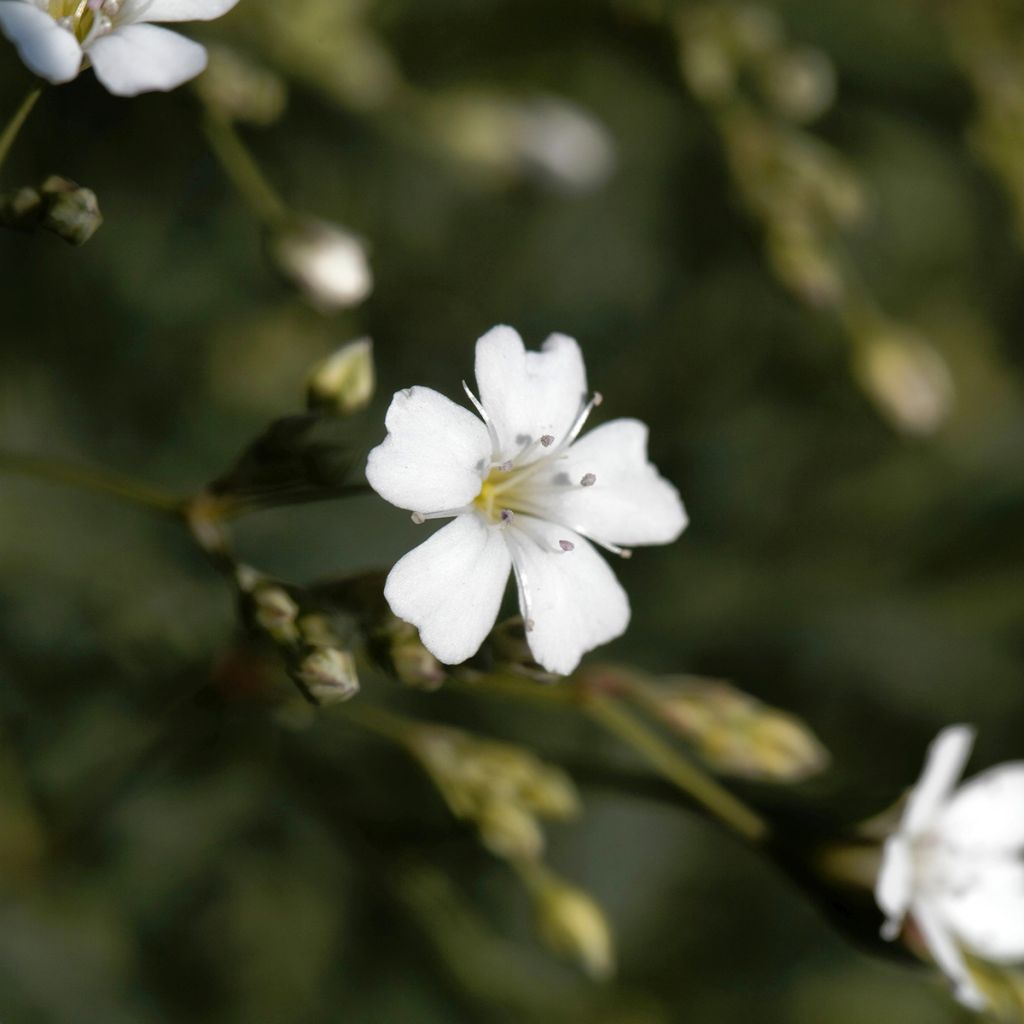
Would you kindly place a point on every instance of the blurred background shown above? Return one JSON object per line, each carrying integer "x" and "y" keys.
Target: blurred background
{"x": 787, "y": 235}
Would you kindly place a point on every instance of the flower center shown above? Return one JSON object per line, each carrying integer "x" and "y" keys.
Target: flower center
{"x": 84, "y": 19}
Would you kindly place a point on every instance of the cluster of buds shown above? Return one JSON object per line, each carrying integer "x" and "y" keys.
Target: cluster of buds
{"x": 731, "y": 731}
{"x": 316, "y": 656}
{"x": 504, "y": 790}
{"x": 57, "y": 205}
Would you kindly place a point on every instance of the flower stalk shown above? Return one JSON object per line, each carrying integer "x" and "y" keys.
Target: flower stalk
{"x": 18, "y": 119}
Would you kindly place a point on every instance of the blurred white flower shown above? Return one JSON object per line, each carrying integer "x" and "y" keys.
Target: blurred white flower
{"x": 326, "y": 263}
{"x": 956, "y": 863}
{"x": 524, "y": 497}
{"x": 58, "y": 38}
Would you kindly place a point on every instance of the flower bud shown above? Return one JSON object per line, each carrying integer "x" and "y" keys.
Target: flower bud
{"x": 70, "y": 211}
{"x": 275, "y": 612}
{"x": 58, "y": 205}
{"x": 509, "y": 830}
{"x": 906, "y": 378}
{"x": 735, "y": 734}
{"x": 239, "y": 89}
{"x": 344, "y": 382}
{"x": 328, "y": 675}
{"x": 414, "y": 664}
{"x": 327, "y": 264}
{"x": 800, "y": 84}
{"x": 573, "y": 925}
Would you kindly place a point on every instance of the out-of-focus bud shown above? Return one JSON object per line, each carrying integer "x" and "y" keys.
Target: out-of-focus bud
{"x": 239, "y": 89}
{"x": 326, "y": 263}
{"x": 328, "y": 675}
{"x": 572, "y": 925}
{"x": 907, "y": 379}
{"x": 510, "y": 831}
{"x": 69, "y": 210}
{"x": 413, "y": 663}
{"x": 799, "y": 84}
{"x": 734, "y": 733}
{"x": 564, "y": 145}
{"x": 802, "y": 264}
{"x": 58, "y": 205}
{"x": 344, "y": 382}
{"x": 275, "y": 612}
{"x": 543, "y": 137}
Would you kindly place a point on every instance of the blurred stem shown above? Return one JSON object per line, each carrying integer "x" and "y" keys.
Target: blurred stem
{"x": 716, "y": 799}
{"x": 611, "y": 716}
{"x": 240, "y": 166}
{"x": 384, "y": 723}
{"x": 91, "y": 478}
{"x": 20, "y": 116}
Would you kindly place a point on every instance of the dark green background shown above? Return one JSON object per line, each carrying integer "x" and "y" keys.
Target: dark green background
{"x": 868, "y": 581}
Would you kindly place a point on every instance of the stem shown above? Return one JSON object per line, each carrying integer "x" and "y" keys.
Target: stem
{"x": 672, "y": 765}
{"x": 20, "y": 116}
{"x": 383, "y": 723}
{"x": 91, "y": 478}
{"x": 241, "y": 167}
{"x": 715, "y": 798}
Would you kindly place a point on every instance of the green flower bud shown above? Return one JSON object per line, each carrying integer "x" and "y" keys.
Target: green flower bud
{"x": 344, "y": 382}
{"x": 573, "y": 925}
{"x": 328, "y": 675}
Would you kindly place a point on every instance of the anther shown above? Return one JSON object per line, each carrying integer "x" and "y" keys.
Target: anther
{"x": 507, "y": 515}
{"x": 597, "y": 399}
{"x": 529, "y": 625}
{"x": 588, "y": 480}
{"x": 418, "y": 518}
{"x": 506, "y": 466}
{"x": 566, "y": 545}
{"x": 547, "y": 440}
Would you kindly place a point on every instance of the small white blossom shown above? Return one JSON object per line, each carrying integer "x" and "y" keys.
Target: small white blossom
{"x": 955, "y": 866}
{"x": 59, "y": 38}
{"x": 526, "y": 496}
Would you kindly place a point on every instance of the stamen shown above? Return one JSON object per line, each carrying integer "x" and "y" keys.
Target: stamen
{"x": 581, "y": 418}
{"x": 588, "y": 480}
{"x": 547, "y": 440}
{"x": 506, "y": 466}
{"x": 419, "y": 518}
{"x": 507, "y": 515}
{"x": 478, "y": 405}
{"x": 567, "y": 545}
{"x": 529, "y": 625}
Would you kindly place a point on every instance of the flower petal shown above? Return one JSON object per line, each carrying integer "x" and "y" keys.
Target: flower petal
{"x": 529, "y": 394}
{"x": 987, "y": 812}
{"x": 451, "y": 586}
{"x": 435, "y": 456}
{"x": 894, "y": 888}
{"x": 134, "y": 11}
{"x": 47, "y": 49}
{"x": 144, "y": 58}
{"x": 628, "y": 503}
{"x": 947, "y": 954}
{"x": 947, "y": 757}
{"x": 568, "y": 595}
{"x": 982, "y": 899}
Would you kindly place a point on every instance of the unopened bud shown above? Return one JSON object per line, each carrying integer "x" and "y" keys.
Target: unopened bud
{"x": 276, "y": 612}
{"x": 344, "y": 382}
{"x": 800, "y": 84}
{"x": 58, "y": 205}
{"x": 327, "y": 264}
{"x": 239, "y": 89}
{"x": 414, "y": 664}
{"x": 573, "y": 925}
{"x": 736, "y": 734}
{"x": 907, "y": 379}
{"x": 328, "y": 675}
{"x": 509, "y": 830}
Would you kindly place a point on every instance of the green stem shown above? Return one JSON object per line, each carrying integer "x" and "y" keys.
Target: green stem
{"x": 610, "y": 715}
{"x": 241, "y": 167}
{"x": 20, "y": 116}
{"x": 91, "y": 478}
{"x": 716, "y": 799}
{"x": 383, "y": 723}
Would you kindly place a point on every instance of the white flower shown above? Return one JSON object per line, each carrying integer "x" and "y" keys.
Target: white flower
{"x": 58, "y": 38}
{"x": 525, "y": 495}
{"x": 956, "y": 863}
